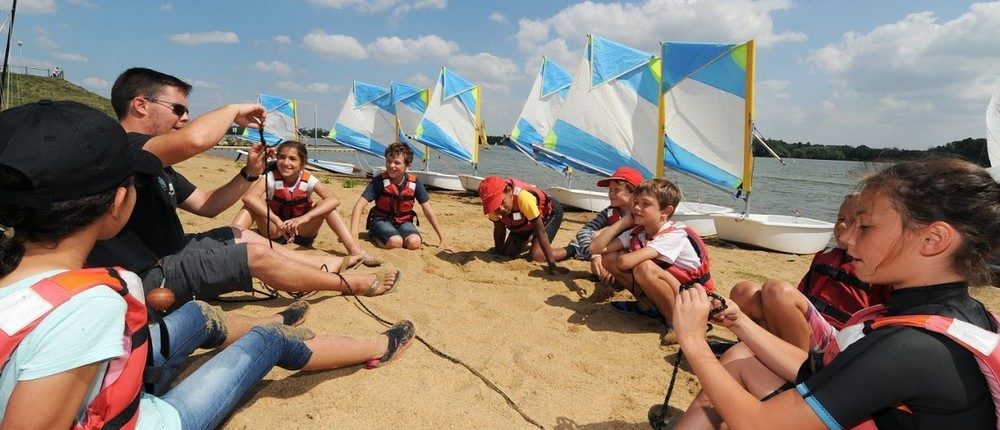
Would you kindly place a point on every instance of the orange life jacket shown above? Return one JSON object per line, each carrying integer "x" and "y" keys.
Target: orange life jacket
{"x": 701, "y": 275}
{"x": 395, "y": 203}
{"x": 117, "y": 404}
{"x": 981, "y": 343}
{"x": 515, "y": 221}
{"x": 833, "y": 289}
{"x": 289, "y": 202}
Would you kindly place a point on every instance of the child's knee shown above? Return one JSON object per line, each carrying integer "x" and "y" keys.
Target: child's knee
{"x": 394, "y": 242}
{"x": 646, "y": 271}
{"x": 412, "y": 241}
{"x": 743, "y": 291}
{"x": 536, "y": 255}
{"x": 778, "y": 291}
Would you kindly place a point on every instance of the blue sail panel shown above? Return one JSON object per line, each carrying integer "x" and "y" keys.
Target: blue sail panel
{"x": 555, "y": 79}
{"x": 609, "y": 59}
{"x": 728, "y": 73}
{"x": 681, "y": 59}
{"x": 366, "y": 93}
{"x": 524, "y": 135}
{"x": 589, "y": 152}
{"x": 433, "y": 136}
{"x": 283, "y": 105}
{"x": 353, "y": 139}
{"x": 680, "y": 159}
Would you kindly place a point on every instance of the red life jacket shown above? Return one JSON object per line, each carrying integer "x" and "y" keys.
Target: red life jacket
{"x": 833, "y": 289}
{"x": 395, "y": 203}
{"x": 117, "y": 404}
{"x": 983, "y": 344}
{"x": 687, "y": 277}
{"x": 289, "y": 202}
{"x": 515, "y": 221}
{"x": 614, "y": 214}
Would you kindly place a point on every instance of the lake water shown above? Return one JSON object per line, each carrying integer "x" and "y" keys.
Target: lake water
{"x": 814, "y": 188}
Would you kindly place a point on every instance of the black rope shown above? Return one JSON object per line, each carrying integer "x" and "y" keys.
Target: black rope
{"x": 444, "y": 355}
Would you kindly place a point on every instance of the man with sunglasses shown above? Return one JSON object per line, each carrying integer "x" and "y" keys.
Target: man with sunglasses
{"x": 152, "y": 107}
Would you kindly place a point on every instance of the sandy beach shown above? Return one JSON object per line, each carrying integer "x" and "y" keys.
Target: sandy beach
{"x": 565, "y": 358}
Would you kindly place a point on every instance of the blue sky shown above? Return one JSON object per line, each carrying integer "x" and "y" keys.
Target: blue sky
{"x": 911, "y": 74}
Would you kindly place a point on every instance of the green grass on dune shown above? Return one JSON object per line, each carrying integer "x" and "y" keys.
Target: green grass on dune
{"x": 26, "y": 89}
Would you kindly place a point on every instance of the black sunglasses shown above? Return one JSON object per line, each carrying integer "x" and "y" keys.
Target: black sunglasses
{"x": 177, "y": 108}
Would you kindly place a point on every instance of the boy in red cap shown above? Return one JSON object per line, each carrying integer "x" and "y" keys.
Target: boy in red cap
{"x": 621, "y": 185}
{"x": 530, "y": 215}
{"x": 658, "y": 256}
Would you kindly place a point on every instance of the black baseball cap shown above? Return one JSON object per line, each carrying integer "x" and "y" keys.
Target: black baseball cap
{"x": 67, "y": 150}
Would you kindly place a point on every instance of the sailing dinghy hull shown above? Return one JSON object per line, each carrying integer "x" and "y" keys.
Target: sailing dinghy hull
{"x": 698, "y": 216}
{"x": 593, "y": 201}
{"x": 439, "y": 180}
{"x": 470, "y": 182}
{"x": 782, "y": 233}
{"x": 335, "y": 167}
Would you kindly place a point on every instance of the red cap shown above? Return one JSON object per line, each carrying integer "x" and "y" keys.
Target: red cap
{"x": 626, "y": 174}
{"x": 491, "y": 192}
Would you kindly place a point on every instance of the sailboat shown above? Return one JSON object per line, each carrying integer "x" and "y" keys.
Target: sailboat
{"x": 450, "y": 125}
{"x": 546, "y": 97}
{"x": 993, "y": 134}
{"x": 609, "y": 120}
{"x": 367, "y": 121}
{"x": 707, "y": 114}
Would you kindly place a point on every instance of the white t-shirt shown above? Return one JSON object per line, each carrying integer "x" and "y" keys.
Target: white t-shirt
{"x": 87, "y": 329}
{"x": 674, "y": 246}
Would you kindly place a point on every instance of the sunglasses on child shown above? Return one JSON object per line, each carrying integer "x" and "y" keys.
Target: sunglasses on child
{"x": 177, "y": 108}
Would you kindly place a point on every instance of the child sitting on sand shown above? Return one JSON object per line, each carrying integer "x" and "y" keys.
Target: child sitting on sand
{"x": 656, "y": 257}
{"x": 391, "y": 221}
{"x": 287, "y": 213}
{"x": 621, "y": 185}
{"x": 928, "y": 358}
{"x": 75, "y": 344}
{"x": 529, "y": 214}
{"x": 829, "y": 288}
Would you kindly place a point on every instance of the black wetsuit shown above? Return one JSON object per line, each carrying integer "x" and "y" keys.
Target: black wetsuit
{"x": 937, "y": 379}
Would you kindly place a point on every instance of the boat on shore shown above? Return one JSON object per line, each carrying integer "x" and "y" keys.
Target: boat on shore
{"x": 439, "y": 180}
{"x": 782, "y": 233}
{"x": 450, "y": 125}
{"x": 593, "y": 201}
{"x": 470, "y": 182}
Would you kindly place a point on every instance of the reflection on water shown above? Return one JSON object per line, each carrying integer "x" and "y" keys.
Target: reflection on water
{"x": 814, "y": 188}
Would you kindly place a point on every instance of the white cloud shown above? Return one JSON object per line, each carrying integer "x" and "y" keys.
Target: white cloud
{"x": 644, "y": 25}
{"x": 274, "y": 66}
{"x": 31, "y": 6}
{"x": 316, "y": 87}
{"x": 917, "y": 77}
{"x": 396, "y": 50}
{"x": 498, "y": 18}
{"x": 69, "y": 56}
{"x": 96, "y": 83}
{"x": 398, "y": 7}
{"x": 84, "y": 3}
{"x": 43, "y": 38}
{"x": 167, "y": 7}
{"x": 282, "y": 39}
{"x": 202, "y": 84}
{"x": 198, "y": 38}
{"x": 334, "y": 46}
{"x": 485, "y": 67}
{"x": 777, "y": 89}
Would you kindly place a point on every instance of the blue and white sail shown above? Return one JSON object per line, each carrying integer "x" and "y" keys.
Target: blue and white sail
{"x": 410, "y": 103}
{"x": 993, "y": 134}
{"x": 451, "y": 122}
{"x": 611, "y": 111}
{"x": 367, "y": 121}
{"x": 708, "y": 112}
{"x": 281, "y": 123}
{"x": 546, "y": 97}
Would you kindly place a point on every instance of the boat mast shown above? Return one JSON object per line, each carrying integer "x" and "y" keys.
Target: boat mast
{"x": 4, "y": 94}
{"x": 661, "y": 121}
{"x": 749, "y": 126}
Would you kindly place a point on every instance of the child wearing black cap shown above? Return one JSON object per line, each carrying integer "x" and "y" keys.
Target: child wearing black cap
{"x": 77, "y": 338}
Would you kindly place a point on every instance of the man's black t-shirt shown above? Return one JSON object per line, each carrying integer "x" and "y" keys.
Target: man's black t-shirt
{"x": 154, "y": 230}
{"x": 936, "y": 378}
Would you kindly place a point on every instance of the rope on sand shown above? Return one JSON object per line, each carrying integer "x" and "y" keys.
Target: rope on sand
{"x": 440, "y": 353}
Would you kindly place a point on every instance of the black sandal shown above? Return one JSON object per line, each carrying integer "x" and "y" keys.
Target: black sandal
{"x": 399, "y": 336}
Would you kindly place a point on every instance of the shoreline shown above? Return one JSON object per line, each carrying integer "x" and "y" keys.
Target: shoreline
{"x": 550, "y": 343}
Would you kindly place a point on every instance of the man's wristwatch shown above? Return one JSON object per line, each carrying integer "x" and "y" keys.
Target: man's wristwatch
{"x": 245, "y": 175}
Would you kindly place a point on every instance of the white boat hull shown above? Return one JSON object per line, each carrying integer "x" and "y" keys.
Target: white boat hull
{"x": 470, "y": 182}
{"x": 439, "y": 180}
{"x": 698, "y": 216}
{"x": 782, "y": 233}
{"x": 593, "y": 201}
{"x": 335, "y": 167}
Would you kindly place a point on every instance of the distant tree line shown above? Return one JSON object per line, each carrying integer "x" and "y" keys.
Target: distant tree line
{"x": 970, "y": 149}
